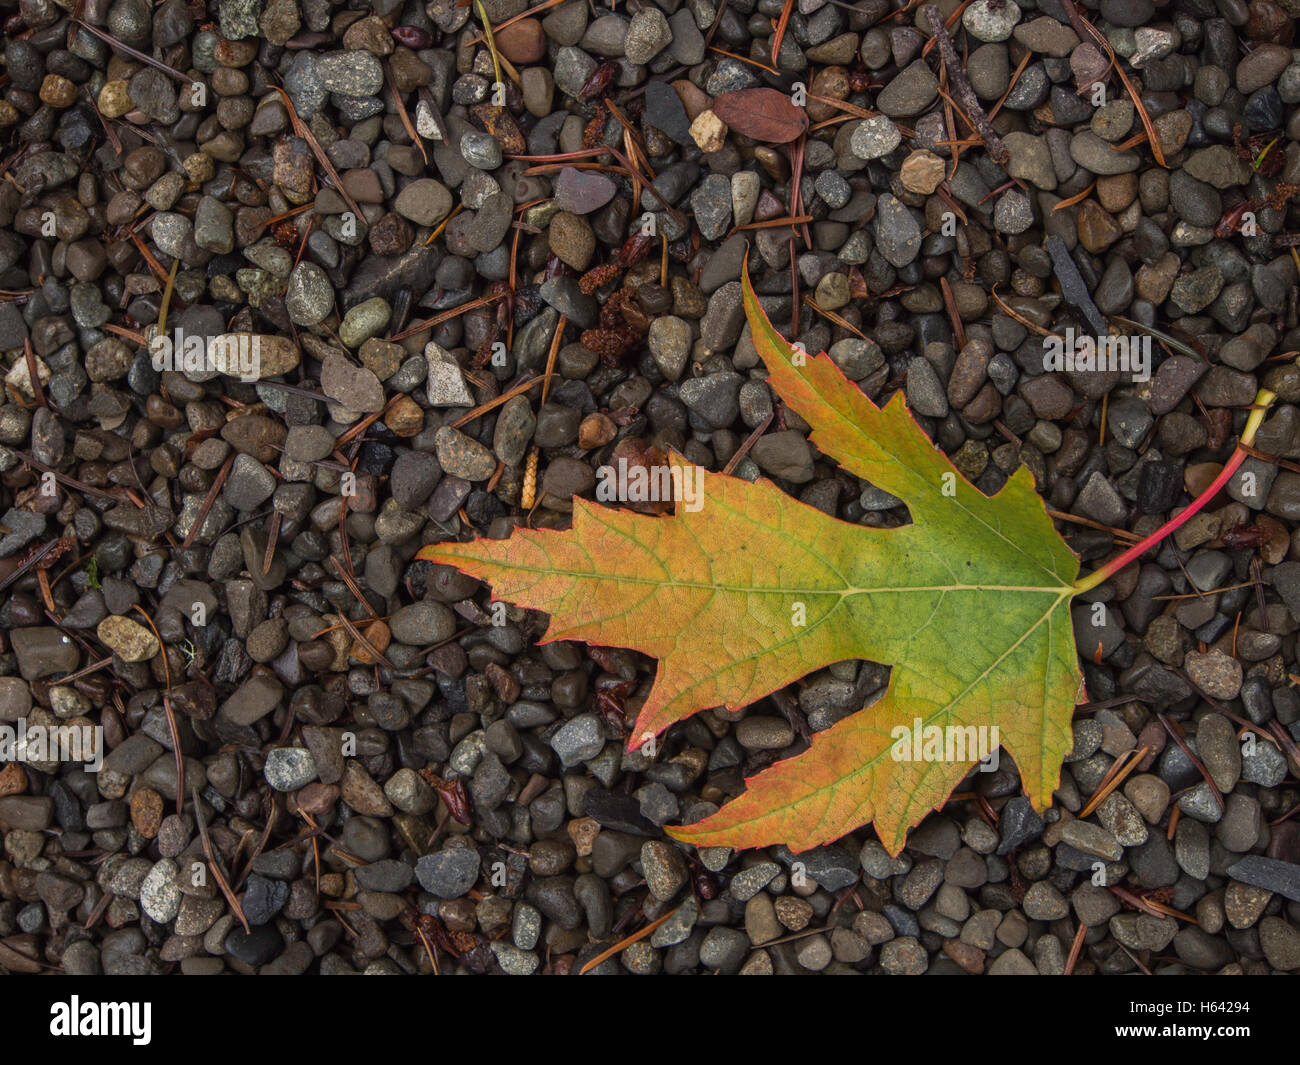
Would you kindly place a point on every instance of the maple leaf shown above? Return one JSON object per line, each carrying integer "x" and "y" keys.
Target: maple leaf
{"x": 969, "y": 605}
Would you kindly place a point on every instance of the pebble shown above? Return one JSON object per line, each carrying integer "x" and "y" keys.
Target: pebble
{"x": 425, "y": 202}
{"x": 160, "y": 898}
{"x": 581, "y": 192}
{"x": 351, "y": 386}
{"x": 991, "y": 20}
{"x": 647, "y": 36}
{"x": 310, "y": 296}
{"x": 898, "y": 236}
{"x": 874, "y": 138}
{"x": 910, "y": 93}
{"x": 420, "y": 624}
{"x": 669, "y": 340}
{"x": 128, "y": 640}
{"x": 572, "y": 240}
{"x": 289, "y": 768}
{"x": 1092, "y": 839}
{"x": 463, "y": 456}
{"x": 256, "y": 947}
{"x": 665, "y": 869}
{"x": 581, "y": 739}
{"x": 366, "y": 320}
{"x": 1093, "y": 153}
{"x": 445, "y": 383}
{"x": 922, "y": 172}
{"x": 1217, "y": 675}
{"x": 448, "y": 873}
{"x": 350, "y": 73}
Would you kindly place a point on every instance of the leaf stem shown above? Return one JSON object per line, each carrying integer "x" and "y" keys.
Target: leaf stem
{"x": 1263, "y": 400}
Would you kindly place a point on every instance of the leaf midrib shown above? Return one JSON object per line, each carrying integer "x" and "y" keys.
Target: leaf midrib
{"x": 843, "y": 593}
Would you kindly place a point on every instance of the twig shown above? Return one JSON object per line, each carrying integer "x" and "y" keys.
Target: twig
{"x": 750, "y": 441}
{"x": 962, "y": 87}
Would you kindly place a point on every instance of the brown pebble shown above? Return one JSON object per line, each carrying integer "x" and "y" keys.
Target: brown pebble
{"x": 391, "y": 235}
{"x": 1098, "y": 230}
{"x": 13, "y": 781}
{"x": 596, "y": 430}
{"x": 572, "y": 240}
{"x": 378, "y": 636}
{"x": 968, "y": 957}
{"x": 922, "y": 171}
{"x": 405, "y": 418}
{"x": 147, "y": 812}
{"x": 58, "y": 91}
{"x": 363, "y": 186}
{"x": 523, "y": 41}
{"x": 317, "y": 798}
{"x": 583, "y": 832}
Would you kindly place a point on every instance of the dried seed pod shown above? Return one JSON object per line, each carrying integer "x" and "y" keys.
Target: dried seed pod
{"x": 601, "y": 79}
{"x": 598, "y": 276}
{"x": 529, "y": 494}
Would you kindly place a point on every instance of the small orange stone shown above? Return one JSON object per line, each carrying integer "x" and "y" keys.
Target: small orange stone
{"x": 147, "y": 812}
{"x": 406, "y": 418}
{"x": 378, "y": 636}
{"x": 13, "y": 781}
{"x": 596, "y": 430}
{"x": 922, "y": 171}
{"x": 968, "y": 957}
{"x": 583, "y": 832}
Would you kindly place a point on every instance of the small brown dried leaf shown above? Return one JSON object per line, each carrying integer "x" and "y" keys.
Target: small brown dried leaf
{"x": 764, "y": 114}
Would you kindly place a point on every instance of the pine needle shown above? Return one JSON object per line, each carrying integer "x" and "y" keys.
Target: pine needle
{"x": 491, "y": 43}
{"x": 623, "y": 944}
{"x": 1078, "y": 197}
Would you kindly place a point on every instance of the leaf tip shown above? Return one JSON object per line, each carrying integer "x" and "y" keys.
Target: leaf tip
{"x": 429, "y": 552}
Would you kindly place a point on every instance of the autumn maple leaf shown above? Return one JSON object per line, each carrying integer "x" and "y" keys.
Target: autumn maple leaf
{"x": 969, "y": 605}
